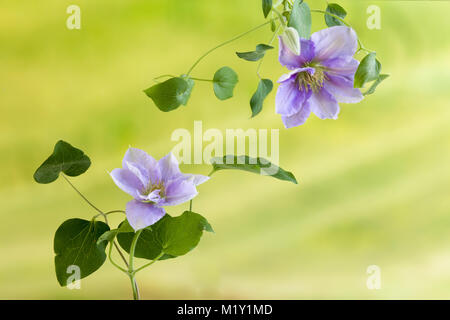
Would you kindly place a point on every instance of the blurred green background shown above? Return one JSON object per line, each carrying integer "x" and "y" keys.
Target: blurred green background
{"x": 374, "y": 185}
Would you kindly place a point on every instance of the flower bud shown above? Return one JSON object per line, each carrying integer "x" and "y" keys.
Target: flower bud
{"x": 291, "y": 40}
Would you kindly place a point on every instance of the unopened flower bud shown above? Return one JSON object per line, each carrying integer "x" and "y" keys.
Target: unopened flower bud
{"x": 291, "y": 40}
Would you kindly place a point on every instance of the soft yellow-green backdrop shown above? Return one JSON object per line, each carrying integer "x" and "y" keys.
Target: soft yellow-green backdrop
{"x": 374, "y": 185}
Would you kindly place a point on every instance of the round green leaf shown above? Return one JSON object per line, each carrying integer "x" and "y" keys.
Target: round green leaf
{"x": 300, "y": 19}
{"x": 173, "y": 236}
{"x": 256, "y": 55}
{"x": 170, "y": 94}
{"x": 265, "y": 86}
{"x": 224, "y": 81}
{"x": 75, "y": 244}
{"x": 65, "y": 158}
{"x": 337, "y": 10}
{"x": 368, "y": 70}
{"x": 259, "y": 166}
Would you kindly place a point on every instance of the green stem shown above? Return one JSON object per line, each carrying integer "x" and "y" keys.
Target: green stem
{"x": 150, "y": 263}
{"x": 131, "y": 271}
{"x": 105, "y": 216}
{"x": 361, "y": 46}
{"x": 280, "y": 17}
{"x": 227, "y": 42}
{"x": 112, "y": 261}
{"x": 81, "y": 195}
{"x": 270, "y": 42}
{"x": 207, "y": 80}
{"x": 190, "y": 205}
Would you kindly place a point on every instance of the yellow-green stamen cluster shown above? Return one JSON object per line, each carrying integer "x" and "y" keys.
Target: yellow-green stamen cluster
{"x": 315, "y": 81}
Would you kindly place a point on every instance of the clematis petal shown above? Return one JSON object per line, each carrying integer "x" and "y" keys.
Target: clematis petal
{"x": 297, "y": 119}
{"x": 140, "y": 215}
{"x": 324, "y": 105}
{"x": 142, "y": 164}
{"x": 342, "y": 89}
{"x": 127, "y": 181}
{"x": 346, "y": 66}
{"x": 140, "y": 172}
{"x": 178, "y": 191}
{"x": 197, "y": 179}
{"x": 292, "y": 61}
{"x": 290, "y": 98}
{"x": 334, "y": 42}
{"x": 169, "y": 167}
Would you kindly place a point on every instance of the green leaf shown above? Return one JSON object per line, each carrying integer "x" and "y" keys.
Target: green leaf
{"x": 172, "y": 236}
{"x": 256, "y": 55}
{"x": 273, "y": 26}
{"x": 65, "y": 158}
{"x": 265, "y": 86}
{"x": 372, "y": 88}
{"x": 255, "y": 165}
{"x": 266, "y": 6}
{"x": 172, "y": 93}
{"x": 368, "y": 70}
{"x": 75, "y": 244}
{"x": 108, "y": 236}
{"x": 300, "y": 19}
{"x": 224, "y": 81}
{"x": 337, "y": 10}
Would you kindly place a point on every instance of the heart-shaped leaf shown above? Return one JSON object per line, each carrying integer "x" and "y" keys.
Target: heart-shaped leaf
{"x": 300, "y": 19}
{"x": 372, "y": 88}
{"x": 65, "y": 158}
{"x": 259, "y": 166}
{"x": 368, "y": 70}
{"x": 266, "y": 6}
{"x": 172, "y": 236}
{"x": 337, "y": 10}
{"x": 75, "y": 245}
{"x": 256, "y": 55}
{"x": 224, "y": 81}
{"x": 265, "y": 86}
{"x": 172, "y": 93}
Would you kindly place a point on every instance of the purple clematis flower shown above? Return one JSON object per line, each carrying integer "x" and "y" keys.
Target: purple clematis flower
{"x": 321, "y": 76}
{"x": 153, "y": 185}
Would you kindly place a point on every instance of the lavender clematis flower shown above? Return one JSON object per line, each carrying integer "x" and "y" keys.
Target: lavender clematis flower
{"x": 153, "y": 185}
{"x": 321, "y": 76}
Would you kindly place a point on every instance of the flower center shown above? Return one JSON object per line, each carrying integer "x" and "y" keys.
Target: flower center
{"x": 307, "y": 81}
{"x": 151, "y": 188}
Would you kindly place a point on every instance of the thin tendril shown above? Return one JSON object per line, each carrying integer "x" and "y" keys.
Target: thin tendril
{"x": 227, "y": 42}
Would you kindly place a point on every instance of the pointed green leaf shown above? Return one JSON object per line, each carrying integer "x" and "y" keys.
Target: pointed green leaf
{"x": 259, "y": 166}
{"x": 267, "y": 6}
{"x": 337, "y": 10}
{"x": 172, "y": 93}
{"x": 300, "y": 19}
{"x": 372, "y": 88}
{"x": 65, "y": 158}
{"x": 111, "y": 234}
{"x": 75, "y": 244}
{"x": 173, "y": 236}
{"x": 225, "y": 79}
{"x": 256, "y": 55}
{"x": 368, "y": 70}
{"x": 265, "y": 86}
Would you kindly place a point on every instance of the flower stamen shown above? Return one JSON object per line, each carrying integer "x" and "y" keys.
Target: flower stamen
{"x": 307, "y": 81}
